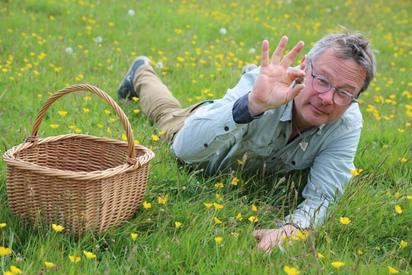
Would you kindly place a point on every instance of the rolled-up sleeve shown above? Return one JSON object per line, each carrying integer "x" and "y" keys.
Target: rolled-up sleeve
{"x": 212, "y": 129}
{"x": 329, "y": 174}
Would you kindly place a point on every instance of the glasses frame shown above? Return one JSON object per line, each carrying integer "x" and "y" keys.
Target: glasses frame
{"x": 354, "y": 99}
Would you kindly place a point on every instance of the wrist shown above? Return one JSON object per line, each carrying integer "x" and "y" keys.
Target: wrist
{"x": 254, "y": 108}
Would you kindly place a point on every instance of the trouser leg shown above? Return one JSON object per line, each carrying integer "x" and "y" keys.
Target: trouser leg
{"x": 158, "y": 103}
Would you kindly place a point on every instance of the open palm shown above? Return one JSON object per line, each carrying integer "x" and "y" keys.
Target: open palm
{"x": 272, "y": 87}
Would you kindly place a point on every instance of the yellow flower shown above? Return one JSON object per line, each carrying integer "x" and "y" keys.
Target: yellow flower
{"x": 155, "y": 137}
{"x": 216, "y": 220}
{"x": 403, "y": 160}
{"x": 136, "y": 111}
{"x": 15, "y": 270}
{"x": 3, "y": 225}
{"x": 89, "y": 255}
{"x": 62, "y": 113}
{"x": 253, "y": 219}
{"x": 54, "y": 126}
{"x": 5, "y": 251}
{"x": 219, "y": 185}
{"x": 254, "y": 208}
{"x": 356, "y": 172}
{"x": 302, "y": 234}
{"x": 162, "y": 200}
{"x": 320, "y": 256}
{"x": 134, "y": 236}
{"x": 218, "y": 239}
{"x": 49, "y": 264}
{"x": 239, "y": 217}
{"x": 234, "y": 181}
{"x": 87, "y": 98}
{"x": 57, "y": 228}
{"x": 337, "y": 264}
{"x": 392, "y": 270}
{"x": 398, "y": 209}
{"x": 147, "y": 205}
{"x": 291, "y": 270}
{"x": 107, "y": 112}
{"x": 344, "y": 220}
{"x": 74, "y": 258}
{"x": 178, "y": 224}
{"x": 8, "y": 273}
{"x": 124, "y": 137}
{"x": 208, "y": 205}
{"x": 218, "y": 206}
{"x": 135, "y": 99}
{"x": 403, "y": 244}
{"x": 86, "y": 110}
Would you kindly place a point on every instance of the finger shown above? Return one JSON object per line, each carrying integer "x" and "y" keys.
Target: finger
{"x": 259, "y": 233}
{"x": 291, "y": 56}
{"x": 293, "y": 74}
{"x": 265, "y": 53}
{"x": 291, "y": 94}
{"x": 265, "y": 246}
{"x": 277, "y": 54}
{"x": 302, "y": 65}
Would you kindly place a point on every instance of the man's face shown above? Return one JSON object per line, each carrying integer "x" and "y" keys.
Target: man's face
{"x": 314, "y": 109}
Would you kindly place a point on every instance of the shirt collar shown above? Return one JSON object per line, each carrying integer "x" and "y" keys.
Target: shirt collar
{"x": 287, "y": 115}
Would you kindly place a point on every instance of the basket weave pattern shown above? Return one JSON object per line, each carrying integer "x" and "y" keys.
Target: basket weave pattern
{"x": 80, "y": 181}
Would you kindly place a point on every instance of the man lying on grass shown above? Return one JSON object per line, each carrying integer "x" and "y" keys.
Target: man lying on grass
{"x": 272, "y": 122}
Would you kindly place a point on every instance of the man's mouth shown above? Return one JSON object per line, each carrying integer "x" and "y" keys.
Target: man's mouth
{"x": 318, "y": 111}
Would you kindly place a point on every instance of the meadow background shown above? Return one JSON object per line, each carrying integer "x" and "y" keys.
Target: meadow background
{"x": 196, "y": 224}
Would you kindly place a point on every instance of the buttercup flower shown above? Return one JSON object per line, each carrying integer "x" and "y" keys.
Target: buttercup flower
{"x": 392, "y": 270}
{"x": 403, "y": 244}
{"x": 178, "y": 224}
{"x": 218, "y": 206}
{"x": 162, "y": 200}
{"x": 3, "y": 225}
{"x": 5, "y": 251}
{"x": 57, "y": 228}
{"x": 49, "y": 264}
{"x": 234, "y": 181}
{"x": 218, "y": 239}
{"x": 134, "y": 236}
{"x": 89, "y": 255}
{"x": 74, "y": 259}
{"x": 147, "y": 205}
{"x": 344, "y": 220}
{"x": 290, "y": 270}
{"x": 15, "y": 270}
{"x": 398, "y": 209}
{"x": 253, "y": 219}
{"x": 337, "y": 264}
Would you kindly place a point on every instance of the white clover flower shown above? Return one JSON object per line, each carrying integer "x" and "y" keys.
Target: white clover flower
{"x": 159, "y": 65}
{"x": 69, "y": 50}
{"x": 223, "y": 31}
{"x": 131, "y": 12}
{"x": 98, "y": 40}
{"x": 252, "y": 50}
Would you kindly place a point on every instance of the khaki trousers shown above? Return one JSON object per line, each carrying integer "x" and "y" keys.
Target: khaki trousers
{"x": 158, "y": 103}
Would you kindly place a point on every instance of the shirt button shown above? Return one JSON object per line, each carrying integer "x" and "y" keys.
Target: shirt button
{"x": 205, "y": 145}
{"x": 293, "y": 162}
{"x": 226, "y": 128}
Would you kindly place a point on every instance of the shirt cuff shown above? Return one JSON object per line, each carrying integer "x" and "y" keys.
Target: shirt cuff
{"x": 240, "y": 110}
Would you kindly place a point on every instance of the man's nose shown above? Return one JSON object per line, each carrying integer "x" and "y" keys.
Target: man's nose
{"x": 327, "y": 98}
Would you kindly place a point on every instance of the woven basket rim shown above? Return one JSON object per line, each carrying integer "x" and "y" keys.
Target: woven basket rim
{"x": 10, "y": 158}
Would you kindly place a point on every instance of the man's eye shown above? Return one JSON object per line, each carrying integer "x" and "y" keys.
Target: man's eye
{"x": 323, "y": 82}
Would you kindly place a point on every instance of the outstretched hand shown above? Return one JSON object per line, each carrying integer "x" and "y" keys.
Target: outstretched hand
{"x": 270, "y": 238}
{"x": 272, "y": 87}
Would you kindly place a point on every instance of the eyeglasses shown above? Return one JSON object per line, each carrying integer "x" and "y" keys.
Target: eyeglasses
{"x": 322, "y": 85}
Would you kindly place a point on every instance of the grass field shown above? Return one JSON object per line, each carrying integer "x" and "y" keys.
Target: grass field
{"x": 199, "y": 48}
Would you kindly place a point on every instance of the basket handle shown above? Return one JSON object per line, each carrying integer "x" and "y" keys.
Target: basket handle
{"x": 87, "y": 87}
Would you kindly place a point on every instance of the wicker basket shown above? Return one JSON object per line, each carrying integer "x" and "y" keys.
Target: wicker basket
{"x": 82, "y": 182}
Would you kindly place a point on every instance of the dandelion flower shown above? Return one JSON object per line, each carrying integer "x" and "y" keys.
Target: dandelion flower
{"x": 320, "y": 255}
{"x": 218, "y": 239}
{"x": 155, "y": 137}
{"x": 392, "y": 270}
{"x": 89, "y": 255}
{"x": 86, "y": 110}
{"x": 15, "y": 270}
{"x": 253, "y": 219}
{"x": 57, "y": 228}
{"x": 403, "y": 244}
{"x": 291, "y": 270}
{"x": 74, "y": 259}
{"x": 49, "y": 264}
{"x": 218, "y": 206}
{"x": 398, "y": 209}
{"x": 344, "y": 220}
{"x": 216, "y": 220}
{"x": 62, "y": 113}
{"x": 162, "y": 200}
{"x": 3, "y": 225}
{"x": 219, "y": 185}
{"x": 337, "y": 264}
{"x": 178, "y": 224}
{"x": 147, "y": 205}
{"x": 5, "y": 251}
{"x": 234, "y": 181}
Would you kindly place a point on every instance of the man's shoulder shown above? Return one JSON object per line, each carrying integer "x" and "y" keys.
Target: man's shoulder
{"x": 352, "y": 118}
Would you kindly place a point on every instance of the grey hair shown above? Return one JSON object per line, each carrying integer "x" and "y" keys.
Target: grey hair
{"x": 348, "y": 46}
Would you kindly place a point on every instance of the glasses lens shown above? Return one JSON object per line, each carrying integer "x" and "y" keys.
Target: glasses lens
{"x": 341, "y": 98}
{"x": 321, "y": 85}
